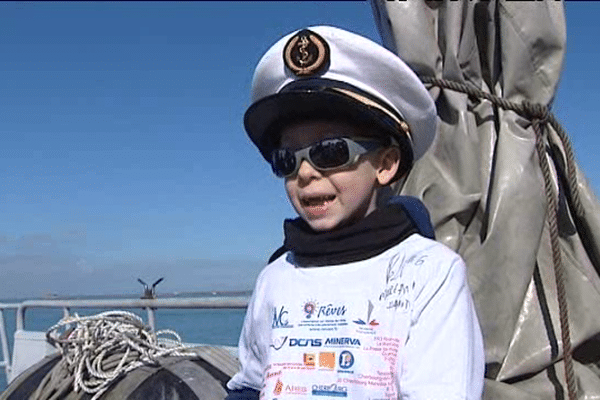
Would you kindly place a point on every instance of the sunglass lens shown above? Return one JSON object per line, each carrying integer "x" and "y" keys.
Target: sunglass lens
{"x": 330, "y": 153}
{"x": 283, "y": 162}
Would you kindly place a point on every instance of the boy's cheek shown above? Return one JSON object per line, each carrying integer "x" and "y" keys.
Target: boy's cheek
{"x": 291, "y": 198}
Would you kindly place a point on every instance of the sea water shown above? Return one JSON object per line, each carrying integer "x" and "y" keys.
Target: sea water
{"x": 218, "y": 327}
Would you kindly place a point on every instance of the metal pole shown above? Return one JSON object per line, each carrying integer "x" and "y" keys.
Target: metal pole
{"x": 5, "y": 353}
{"x": 151, "y": 322}
{"x": 21, "y": 317}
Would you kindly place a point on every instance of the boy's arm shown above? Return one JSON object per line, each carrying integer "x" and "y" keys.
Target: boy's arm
{"x": 247, "y": 382}
{"x": 444, "y": 352}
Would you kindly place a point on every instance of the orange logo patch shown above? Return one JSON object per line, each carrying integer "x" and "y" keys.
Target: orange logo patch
{"x": 278, "y": 388}
{"x": 327, "y": 360}
{"x": 309, "y": 359}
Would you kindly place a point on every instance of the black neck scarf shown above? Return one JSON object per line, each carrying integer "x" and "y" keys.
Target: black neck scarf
{"x": 377, "y": 232}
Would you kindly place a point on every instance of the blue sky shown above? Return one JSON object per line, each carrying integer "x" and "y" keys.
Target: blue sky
{"x": 123, "y": 152}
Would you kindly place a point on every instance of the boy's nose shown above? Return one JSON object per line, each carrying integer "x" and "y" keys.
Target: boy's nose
{"x": 307, "y": 171}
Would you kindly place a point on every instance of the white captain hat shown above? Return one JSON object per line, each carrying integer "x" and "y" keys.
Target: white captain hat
{"x": 329, "y": 73}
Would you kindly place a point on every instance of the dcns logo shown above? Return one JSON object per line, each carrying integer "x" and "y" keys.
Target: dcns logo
{"x": 278, "y": 343}
{"x": 306, "y": 342}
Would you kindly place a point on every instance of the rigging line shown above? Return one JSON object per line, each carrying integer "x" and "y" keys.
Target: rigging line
{"x": 527, "y": 110}
{"x": 559, "y": 273}
{"x": 540, "y": 116}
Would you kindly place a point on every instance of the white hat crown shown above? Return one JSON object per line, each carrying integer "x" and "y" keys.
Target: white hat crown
{"x": 353, "y": 61}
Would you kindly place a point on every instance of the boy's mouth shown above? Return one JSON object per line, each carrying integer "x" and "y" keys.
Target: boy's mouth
{"x": 316, "y": 201}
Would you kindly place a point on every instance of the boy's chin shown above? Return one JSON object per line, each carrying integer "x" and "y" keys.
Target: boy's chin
{"x": 324, "y": 224}
{"x": 321, "y": 224}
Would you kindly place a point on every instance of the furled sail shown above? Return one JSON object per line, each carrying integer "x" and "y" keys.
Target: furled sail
{"x": 483, "y": 182}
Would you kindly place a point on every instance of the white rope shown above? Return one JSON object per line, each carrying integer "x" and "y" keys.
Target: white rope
{"x": 98, "y": 349}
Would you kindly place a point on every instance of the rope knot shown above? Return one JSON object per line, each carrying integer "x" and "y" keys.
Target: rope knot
{"x": 536, "y": 111}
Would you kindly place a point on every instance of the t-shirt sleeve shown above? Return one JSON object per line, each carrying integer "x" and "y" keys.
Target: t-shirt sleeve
{"x": 444, "y": 355}
{"x": 249, "y": 350}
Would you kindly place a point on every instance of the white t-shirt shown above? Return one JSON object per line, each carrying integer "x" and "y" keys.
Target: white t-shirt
{"x": 400, "y": 325}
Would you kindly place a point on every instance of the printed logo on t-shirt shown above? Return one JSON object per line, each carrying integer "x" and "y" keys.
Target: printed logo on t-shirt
{"x": 302, "y": 342}
{"x": 333, "y": 390}
{"x": 309, "y": 308}
{"x": 342, "y": 342}
{"x": 280, "y": 318}
{"x": 310, "y": 359}
{"x": 327, "y": 360}
{"x": 279, "y": 342}
{"x": 317, "y": 342}
{"x": 323, "y": 316}
{"x": 368, "y": 321}
{"x": 278, "y": 387}
{"x": 346, "y": 359}
{"x": 312, "y": 309}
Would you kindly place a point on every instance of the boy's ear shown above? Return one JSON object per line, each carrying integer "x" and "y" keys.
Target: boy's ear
{"x": 389, "y": 162}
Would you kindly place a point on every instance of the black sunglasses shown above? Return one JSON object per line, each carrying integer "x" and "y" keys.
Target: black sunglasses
{"x": 325, "y": 155}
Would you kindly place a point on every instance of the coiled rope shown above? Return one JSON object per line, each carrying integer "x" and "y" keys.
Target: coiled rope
{"x": 540, "y": 116}
{"x": 100, "y": 348}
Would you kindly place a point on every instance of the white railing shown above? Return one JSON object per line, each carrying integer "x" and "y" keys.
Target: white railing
{"x": 150, "y": 305}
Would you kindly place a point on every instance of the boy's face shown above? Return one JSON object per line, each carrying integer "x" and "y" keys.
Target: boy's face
{"x": 327, "y": 200}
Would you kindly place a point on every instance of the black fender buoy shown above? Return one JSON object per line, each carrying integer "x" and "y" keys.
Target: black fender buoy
{"x": 170, "y": 378}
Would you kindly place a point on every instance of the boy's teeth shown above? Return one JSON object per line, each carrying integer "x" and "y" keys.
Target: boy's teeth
{"x": 317, "y": 201}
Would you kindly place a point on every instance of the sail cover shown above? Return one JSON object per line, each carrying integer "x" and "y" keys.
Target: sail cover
{"x": 484, "y": 187}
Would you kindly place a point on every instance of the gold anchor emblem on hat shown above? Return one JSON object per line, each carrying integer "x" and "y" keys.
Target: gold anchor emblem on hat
{"x": 305, "y": 57}
{"x": 306, "y": 53}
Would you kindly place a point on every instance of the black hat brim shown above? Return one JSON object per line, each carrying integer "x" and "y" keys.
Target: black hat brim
{"x": 265, "y": 119}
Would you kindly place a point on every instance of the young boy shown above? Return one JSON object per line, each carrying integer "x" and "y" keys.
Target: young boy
{"x": 358, "y": 304}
